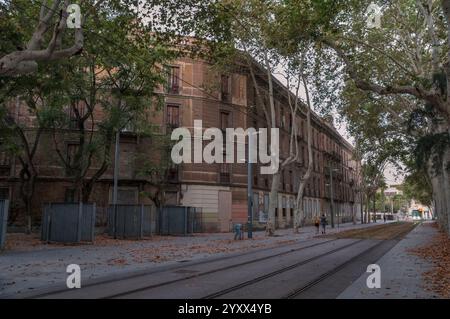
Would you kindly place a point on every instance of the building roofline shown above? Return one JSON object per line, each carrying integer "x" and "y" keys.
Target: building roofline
{"x": 314, "y": 116}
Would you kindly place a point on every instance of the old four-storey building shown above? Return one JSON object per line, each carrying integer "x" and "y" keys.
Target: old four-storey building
{"x": 195, "y": 91}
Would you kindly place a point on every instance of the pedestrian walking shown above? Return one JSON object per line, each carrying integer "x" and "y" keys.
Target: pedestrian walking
{"x": 238, "y": 234}
{"x": 317, "y": 224}
{"x": 323, "y": 222}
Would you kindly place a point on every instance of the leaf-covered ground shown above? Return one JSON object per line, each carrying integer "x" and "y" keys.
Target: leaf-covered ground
{"x": 437, "y": 251}
{"x": 27, "y": 263}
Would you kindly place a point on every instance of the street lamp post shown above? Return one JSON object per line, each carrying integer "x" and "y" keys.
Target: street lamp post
{"x": 250, "y": 185}
{"x": 250, "y": 189}
{"x": 116, "y": 180}
{"x": 331, "y": 197}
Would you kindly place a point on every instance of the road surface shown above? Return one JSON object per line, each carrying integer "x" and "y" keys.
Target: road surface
{"x": 315, "y": 268}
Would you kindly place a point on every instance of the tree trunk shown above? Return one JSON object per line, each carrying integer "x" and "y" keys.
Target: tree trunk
{"x": 446, "y": 187}
{"x": 446, "y": 177}
{"x": 374, "y": 207}
{"x": 299, "y": 214}
{"x": 368, "y": 208}
{"x": 273, "y": 204}
{"x": 273, "y": 197}
{"x": 28, "y": 214}
{"x": 27, "y": 187}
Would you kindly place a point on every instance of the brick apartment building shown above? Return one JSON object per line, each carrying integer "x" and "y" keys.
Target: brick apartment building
{"x": 218, "y": 190}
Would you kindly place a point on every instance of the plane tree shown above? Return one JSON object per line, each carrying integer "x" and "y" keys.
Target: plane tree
{"x": 405, "y": 59}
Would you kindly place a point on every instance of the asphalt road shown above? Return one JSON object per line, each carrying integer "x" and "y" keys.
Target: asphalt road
{"x": 316, "y": 268}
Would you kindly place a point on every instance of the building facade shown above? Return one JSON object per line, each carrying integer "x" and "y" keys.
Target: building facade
{"x": 196, "y": 91}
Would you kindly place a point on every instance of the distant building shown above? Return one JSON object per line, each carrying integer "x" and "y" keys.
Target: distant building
{"x": 393, "y": 190}
{"x": 417, "y": 211}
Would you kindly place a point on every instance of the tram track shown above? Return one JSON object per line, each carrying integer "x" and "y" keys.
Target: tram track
{"x": 277, "y": 272}
{"x": 103, "y": 285}
{"x": 252, "y": 281}
{"x": 295, "y": 293}
{"x": 217, "y": 270}
{"x": 302, "y": 263}
{"x": 97, "y": 284}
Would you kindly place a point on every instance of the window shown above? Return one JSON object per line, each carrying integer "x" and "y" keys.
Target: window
{"x": 173, "y": 116}
{"x": 172, "y": 173}
{"x": 125, "y": 195}
{"x": 75, "y": 113}
{"x": 291, "y": 181}
{"x": 224, "y": 120}
{"x": 4, "y": 193}
{"x": 291, "y": 207}
{"x": 4, "y": 158}
{"x": 224, "y": 174}
{"x": 69, "y": 195}
{"x": 225, "y": 88}
{"x": 171, "y": 198}
{"x": 72, "y": 150}
{"x": 282, "y": 119}
{"x": 173, "y": 79}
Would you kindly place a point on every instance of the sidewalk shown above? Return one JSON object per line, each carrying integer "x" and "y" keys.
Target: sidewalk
{"x": 27, "y": 264}
{"x": 401, "y": 271}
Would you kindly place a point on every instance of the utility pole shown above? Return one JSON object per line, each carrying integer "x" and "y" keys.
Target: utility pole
{"x": 250, "y": 182}
{"x": 331, "y": 197}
